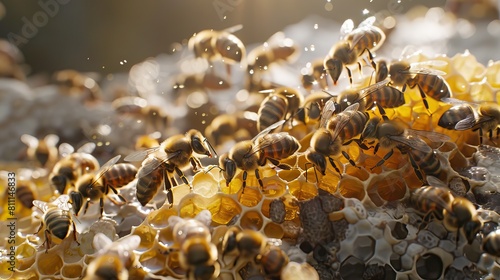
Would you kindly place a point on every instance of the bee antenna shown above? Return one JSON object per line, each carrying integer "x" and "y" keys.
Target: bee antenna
{"x": 211, "y": 147}
{"x": 212, "y": 167}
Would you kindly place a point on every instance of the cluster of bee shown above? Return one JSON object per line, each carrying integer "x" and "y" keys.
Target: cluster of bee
{"x": 288, "y": 123}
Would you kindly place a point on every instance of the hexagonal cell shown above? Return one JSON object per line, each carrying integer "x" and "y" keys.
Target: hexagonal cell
{"x": 352, "y": 268}
{"x": 364, "y": 247}
{"x": 153, "y": 260}
{"x": 351, "y": 187}
{"x": 389, "y": 186}
{"x": 205, "y": 184}
{"x": 158, "y": 219}
{"x": 273, "y": 230}
{"x": 399, "y": 231}
{"x": 429, "y": 266}
{"x": 251, "y": 197}
{"x": 289, "y": 175}
{"x": 223, "y": 207}
{"x": 48, "y": 264}
{"x": 147, "y": 235}
{"x": 302, "y": 190}
{"x": 251, "y": 220}
{"x": 427, "y": 239}
{"x": 69, "y": 271}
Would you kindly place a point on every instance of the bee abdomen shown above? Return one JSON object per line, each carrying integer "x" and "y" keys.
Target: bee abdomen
{"x": 58, "y": 223}
{"x": 272, "y": 110}
{"x": 120, "y": 174}
{"x": 147, "y": 186}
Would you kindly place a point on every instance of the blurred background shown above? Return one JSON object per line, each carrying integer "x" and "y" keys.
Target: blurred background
{"x": 111, "y": 36}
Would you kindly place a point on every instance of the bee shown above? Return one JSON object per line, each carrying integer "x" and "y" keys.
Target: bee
{"x": 491, "y": 243}
{"x": 355, "y": 42}
{"x": 211, "y": 45}
{"x": 457, "y": 212}
{"x": 94, "y": 186}
{"x": 72, "y": 166}
{"x": 276, "y": 49}
{"x": 316, "y": 76}
{"x": 75, "y": 83}
{"x": 113, "y": 259}
{"x": 154, "y": 117}
{"x": 43, "y": 151}
{"x": 200, "y": 81}
{"x": 333, "y": 133}
{"x": 463, "y": 116}
{"x": 249, "y": 155}
{"x": 273, "y": 260}
{"x": 56, "y": 218}
{"x": 173, "y": 154}
{"x": 383, "y": 94}
{"x": 428, "y": 81}
{"x": 281, "y": 104}
{"x": 391, "y": 134}
{"x": 312, "y": 106}
{"x": 25, "y": 192}
{"x": 239, "y": 126}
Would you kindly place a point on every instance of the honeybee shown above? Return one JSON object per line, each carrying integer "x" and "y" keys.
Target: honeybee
{"x": 365, "y": 38}
{"x": 211, "y": 45}
{"x": 316, "y": 76}
{"x": 148, "y": 185}
{"x": 25, "y": 192}
{"x": 391, "y": 134}
{"x": 56, "y": 218}
{"x": 457, "y": 212}
{"x": 239, "y": 126}
{"x": 154, "y": 117}
{"x": 113, "y": 259}
{"x": 249, "y": 155}
{"x": 310, "y": 111}
{"x": 94, "y": 186}
{"x": 72, "y": 166}
{"x": 273, "y": 260}
{"x": 200, "y": 81}
{"x": 463, "y": 116}
{"x": 384, "y": 95}
{"x": 276, "y": 49}
{"x": 75, "y": 83}
{"x": 428, "y": 81}
{"x": 281, "y": 104}
{"x": 43, "y": 151}
{"x": 333, "y": 132}
{"x": 173, "y": 154}
{"x": 491, "y": 243}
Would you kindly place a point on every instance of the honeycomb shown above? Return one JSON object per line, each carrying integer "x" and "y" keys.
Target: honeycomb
{"x": 288, "y": 220}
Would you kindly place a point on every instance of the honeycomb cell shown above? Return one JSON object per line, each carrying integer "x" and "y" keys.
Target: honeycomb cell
{"x": 302, "y": 190}
{"x": 458, "y": 85}
{"x": 251, "y": 220}
{"x": 364, "y": 248}
{"x": 205, "y": 184}
{"x": 224, "y": 209}
{"x": 399, "y": 231}
{"x": 289, "y": 175}
{"x": 429, "y": 266}
{"x": 351, "y": 187}
{"x": 26, "y": 255}
{"x": 352, "y": 268}
{"x": 153, "y": 260}
{"x": 147, "y": 235}
{"x": 492, "y": 74}
{"x": 49, "y": 264}
{"x": 389, "y": 186}
{"x": 158, "y": 219}
{"x": 250, "y": 198}
{"x": 273, "y": 230}
{"x": 273, "y": 187}
{"x": 72, "y": 271}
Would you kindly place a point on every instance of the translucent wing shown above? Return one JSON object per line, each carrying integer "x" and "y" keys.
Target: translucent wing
{"x": 346, "y": 28}
{"x": 87, "y": 148}
{"x": 422, "y": 71}
{"x": 233, "y": 29}
{"x": 431, "y": 135}
{"x": 153, "y": 163}
{"x": 344, "y": 118}
{"x": 368, "y": 22}
{"x": 412, "y": 142}
{"x": 62, "y": 202}
{"x": 327, "y": 113}
{"x": 371, "y": 89}
{"x": 435, "y": 182}
{"x": 105, "y": 169}
{"x": 141, "y": 155}
{"x": 42, "y": 205}
{"x": 65, "y": 149}
{"x": 469, "y": 122}
{"x": 268, "y": 129}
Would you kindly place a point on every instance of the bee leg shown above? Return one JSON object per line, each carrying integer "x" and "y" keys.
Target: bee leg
{"x": 86, "y": 207}
{"x": 74, "y": 233}
{"x": 386, "y": 157}
{"x": 335, "y": 166}
{"x": 48, "y": 240}
{"x": 349, "y": 159}
{"x": 480, "y": 135}
{"x": 168, "y": 189}
{"x": 119, "y": 196}
{"x": 257, "y": 175}
{"x": 39, "y": 228}
{"x": 417, "y": 170}
{"x": 101, "y": 205}
{"x": 349, "y": 74}
{"x": 424, "y": 98}
{"x": 244, "y": 184}
{"x": 382, "y": 111}
{"x": 315, "y": 172}
{"x": 183, "y": 177}
{"x": 195, "y": 163}
{"x": 276, "y": 163}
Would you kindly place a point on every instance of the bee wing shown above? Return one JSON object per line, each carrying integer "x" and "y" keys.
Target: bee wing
{"x": 431, "y": 135}
{"x": 62, "y": 202}
{"x": 346, "y": 28}
{"x": 344, "y": 119}
{"x": 105, "y": 168}
{"x": 410, "y": 51}
{"x": 51, "y": 140}
{"x": 327, "y": 112}
{"x": 467, "y": 123}
{"x": 435, "y": 182}
{"x": 369, "y": 21}
{"x": 65, "y": 149}
{"x": 454, "y": 101}
{"x": 42, "y": 205}
{"x": 153, "y": 164}
{"x": 423, "y": 71}
{"x": 268, "y": 129}
{"x": 141, "y": 155}
{"x": 234, "y": 28}
{"x": 412, "y": 142}
{"x": 87, "y": 148}
{"x": 29, "y": 140}
{"x": 371, "y": 89}
{"x": 266, "y": 142}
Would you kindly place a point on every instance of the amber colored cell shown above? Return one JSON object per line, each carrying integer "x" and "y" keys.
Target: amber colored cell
{"x": 159, "y": 218}
{"x": 421, "y": 121}
{"x": 72, "y": 271}
{"x": 389, "y": 186}
{"x": 329, "y": 183}
{"x": 493, "y": 74}
{"x": 205, "y": 184}
{"x": 411, "y": 179}
{"x": 153, "y": 260}
{"x": 165, "y": 236}
{"x": 458, "y": 85}
{"x": 25, "y": 254}
{"x": 49, "y": 264}
{"x": 233, "y": 187}
{"x": 404, "y": 113}
{"x": 250, "y": 197}
{"x": 265, "y": 207}
{"x": 224, "y": 209}
{"x": 147, "y": 235}
{"x": 482, "y": 92}
{"x": 305, "y": 143}
{"x": 289, "y": 175}
{"x": 351, "y": 187}
{"x": 357, "y": 172}
{"x": 273, "y": 187}
{"x": 302, "y": 190}
{"x": 173, "y": 265}
{"x": 273, "y": 230}
{"x": 251, "y": 220}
